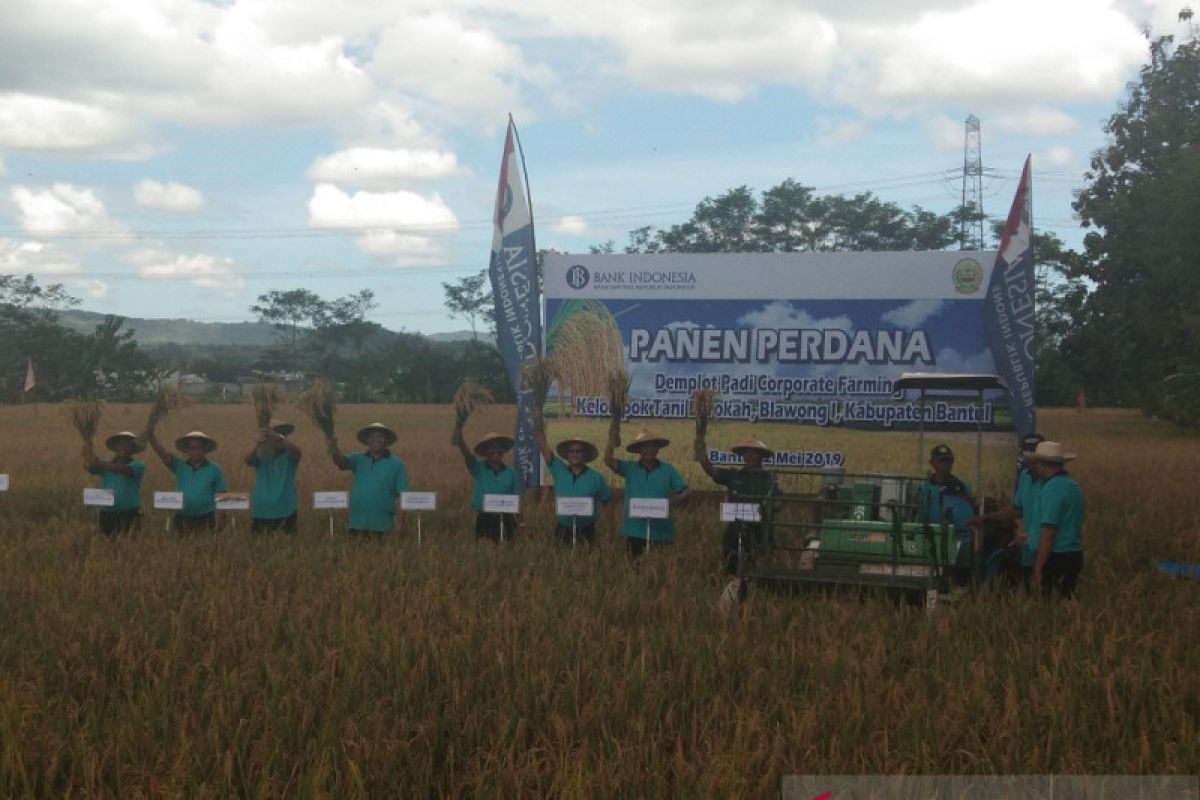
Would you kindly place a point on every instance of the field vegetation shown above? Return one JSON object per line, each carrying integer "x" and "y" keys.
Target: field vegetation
{"x": 233, "y": 665}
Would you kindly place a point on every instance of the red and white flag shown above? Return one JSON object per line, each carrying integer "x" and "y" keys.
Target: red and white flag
{"x": 30, "y": 380}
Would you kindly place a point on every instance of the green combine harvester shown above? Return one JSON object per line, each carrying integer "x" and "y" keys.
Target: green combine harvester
{"x": 830, "y": 530}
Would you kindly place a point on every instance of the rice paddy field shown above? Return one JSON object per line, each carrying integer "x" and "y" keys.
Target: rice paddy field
{"x": 230, "y": 665}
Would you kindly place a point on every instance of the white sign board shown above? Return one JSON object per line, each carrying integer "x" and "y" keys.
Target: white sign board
{"x": 418, "y": 501}
{"x": 233, "y": 501}
{"x": 575, "y": 506}
{"x": 98, "y": 497}
{"x": 171, "y": 501}
{"x": 331, "y": 500}
{"x": 3, "y": 482}
{"x": 502, "y": 503}
{"x": 741, "y": 512}
{"x": 649, "y": 508}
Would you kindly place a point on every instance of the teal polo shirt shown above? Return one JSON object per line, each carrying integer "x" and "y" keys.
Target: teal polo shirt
{"x": 660, "y": 481}
{"x": 1060, "y": 506}
{"x": 126, "y": 489}
{"x": 199, "y": 486}
{"x": 1026, "y": 499}
{"x": 274, "y": 495}
{"x": 588, "y": 483}
{"x": 936, "y": 498}
{"x": 377, "y": 484}
{"x": 489, "y": 481}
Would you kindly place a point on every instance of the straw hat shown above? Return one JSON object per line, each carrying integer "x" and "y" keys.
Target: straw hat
{"x": 646, "y": 436}
{"x": 111, "y": 441}
{"x": 389, "y": 435}
{"x": 492, "y": 438}
{"x": 210, "y": 443}
{"x": 282, "y": 428}
{"x": 1050, "y": 452}
{"x": 590, "y": 451}
{"x": 752, "y": 443}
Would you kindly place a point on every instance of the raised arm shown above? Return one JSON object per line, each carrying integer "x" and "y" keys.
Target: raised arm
{"x": 164, "y": 454}
{"x": 251, "y": 457}
{"x": 339, "y": 460}
{"x": 700, "y": 451}
{"x": 90, "y": 462}
{"x": 539, "y": 430}
{"x": 614, "y": 439}
{"x": 457, "y": 440}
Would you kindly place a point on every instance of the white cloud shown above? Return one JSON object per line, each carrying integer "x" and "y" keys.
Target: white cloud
{"x": 17, "y": 258}
{"x": 914, "y": 314}
{"x": 93, "y": 288}
{"x": 29, "y": 122}
{"x": 64, "y": 209}
{"x": 2, "y": 169}
{"x": 375, "y": 166}
{"x": 945, "y": 134}
{"x": 402, "y": 250}
{"x": 782, "y": 314}
{"x": 832, "y": 134}
{"x": 1055, "y": 156}
{"x": 572, "y": 225}
{"x": 1042, "y": 121}
{"x": 330, "y": 207}
{"x": 168, "y": 196}
{"x": 200, "y": 269}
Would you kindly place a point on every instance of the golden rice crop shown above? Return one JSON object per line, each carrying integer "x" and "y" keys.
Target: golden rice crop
{"x": 267, "y": 396}
{"x": 704, "y": 408}
{"x": 168, "y": 398}
{"x": 469, "y": 398}
{"x": 234, "y": 664}
{"x": 587, "y": 346}
{"x": 319, "y": 402}
{"x": 84, "y": 416}
{"x": 617, "y": 393}
{"x": 538, "y": 374}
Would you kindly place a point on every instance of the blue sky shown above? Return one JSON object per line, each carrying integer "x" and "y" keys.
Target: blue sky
{"x": 179, "y": 157}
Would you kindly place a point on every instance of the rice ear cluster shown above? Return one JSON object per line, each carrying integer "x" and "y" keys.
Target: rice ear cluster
{"x": 267, "y": 396}
{"x": 537, "y": 375}
{"x": 468, "y": 399}
{"x": 84, "y": 415}
{"x": 587, "y": 347}
{"x": 704, "y": 407}
{"x": 618, "y": 393}
{"x": 169, "y": 398}
{"x": 319, "y": 403}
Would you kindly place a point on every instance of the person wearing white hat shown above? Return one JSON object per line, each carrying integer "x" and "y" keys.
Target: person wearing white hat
{"x": 380, "y": 477}
{"x": 573, "y": 478}
{"x": 274, "y": 458}
{"x": 645, "y": 478}
{"x": 197, "y": 478}
{"x": 122, "y": 474}
{"x": 750, "y": 484}
{"x": 490, "y": 475}
{"x": 1023, "y": 506}
{"x": 1060, "y": 509}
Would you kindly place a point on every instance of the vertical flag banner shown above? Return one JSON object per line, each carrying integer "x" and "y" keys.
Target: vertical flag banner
{"x": 513, "y": 270}
{"x": 30, "y": 380}
{"x": 1009, "y": 312}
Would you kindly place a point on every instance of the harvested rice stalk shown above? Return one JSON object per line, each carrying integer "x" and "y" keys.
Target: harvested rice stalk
{"x": 618, "y": 394}
{"x": 319, "y": 403}
{"x": 84, "y": 415}
{"x": 538, "y": 375}
{"x": 469, "y": 398}
{"x": 704, "y": 407}
{"x": 266, "y": 397}
{"x": 169, "y": 398}
{"x": 587, "y": 348}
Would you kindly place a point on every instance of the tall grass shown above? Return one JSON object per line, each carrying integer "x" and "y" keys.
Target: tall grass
{"x": 230, "y": 665}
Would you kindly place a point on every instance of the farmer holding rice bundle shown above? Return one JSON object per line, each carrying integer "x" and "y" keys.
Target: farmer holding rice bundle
{"x": 573, "y": 478}
{"x": 489, "y": 475}
{"x": 750, "y": 484}
{"x": 121, "y": 474}
{"x": 647, "y": 477}
{"x": 197, "y": 478}
{"x": 274, "y": 458}
{"x": 379, "y": 478}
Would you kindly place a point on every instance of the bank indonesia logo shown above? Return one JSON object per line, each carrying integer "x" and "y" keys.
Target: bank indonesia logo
{"x": 578, "y": 276}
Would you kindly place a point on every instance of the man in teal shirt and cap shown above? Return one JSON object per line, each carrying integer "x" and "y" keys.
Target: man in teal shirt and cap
{"x": 274, "y": 458}
{"x": 196, "y": 478}
{"x": 122, "y": 475}
{"x": 1060, "y": 509}
{"x": 379, "y": 479}
{"x": 645, "y": 478}
{"x": 573, "y": 478}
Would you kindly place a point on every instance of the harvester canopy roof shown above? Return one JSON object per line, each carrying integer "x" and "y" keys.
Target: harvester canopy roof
{"x": 950, "y": 381}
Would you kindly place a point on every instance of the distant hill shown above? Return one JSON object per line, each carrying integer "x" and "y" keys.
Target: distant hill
{"x": 182, "y": 331}
{"x": 185, "y": 331}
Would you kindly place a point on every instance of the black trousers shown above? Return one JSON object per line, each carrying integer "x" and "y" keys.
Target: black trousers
{"x": 564, "y": 533}
{"x": 203, "y": 522}
{"x": 749, "y": 532}
{"x": 1061, "y": 573}
{"x": 487, "y": 526}
{"x": 285, "y": 524}
{"x": 114, "y": 522}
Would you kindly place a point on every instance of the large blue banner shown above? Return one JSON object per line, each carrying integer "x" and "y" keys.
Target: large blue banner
{"x": 513, "y": 270}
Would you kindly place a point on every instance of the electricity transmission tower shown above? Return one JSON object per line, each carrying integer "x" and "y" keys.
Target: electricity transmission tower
{"x": 970, "y": 224}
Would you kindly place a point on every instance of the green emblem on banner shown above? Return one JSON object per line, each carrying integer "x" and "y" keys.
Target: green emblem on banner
{"x": 967, "y": 275}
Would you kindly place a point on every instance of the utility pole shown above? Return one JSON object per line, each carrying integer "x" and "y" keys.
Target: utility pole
{"x": 970, "y": 224}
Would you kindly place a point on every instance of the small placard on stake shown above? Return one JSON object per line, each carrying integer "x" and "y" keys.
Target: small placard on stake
{"x": 3, "y": 482}
{"x": 331, "y": 500}
{"x": 649, "y": 508}
{"x": 99, "y": 497}
{"x": 169, "y": 501}
{"x": 502, "y": 503}
{"x": 233, "y": 501}
{"x": 741, "y": 512}
{"x": 575, "y": 506}
{"x": 418, "y": 501}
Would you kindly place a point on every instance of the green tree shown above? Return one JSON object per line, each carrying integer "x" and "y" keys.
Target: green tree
{"x": 1141, "y": 204}
{"x": 470, "y": 299}
{"x": 294, "y": 314}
